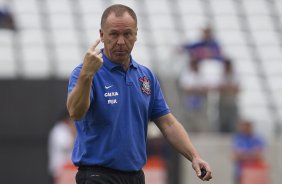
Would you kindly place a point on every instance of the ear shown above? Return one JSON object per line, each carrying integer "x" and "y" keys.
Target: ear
{"x": 101, "y": 35}
{"x": 136, "y": 34}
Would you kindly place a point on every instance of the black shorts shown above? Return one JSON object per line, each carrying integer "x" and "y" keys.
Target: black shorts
{"x": 103, "y": 175}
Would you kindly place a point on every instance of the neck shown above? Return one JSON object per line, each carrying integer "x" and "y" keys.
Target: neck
{"x": 123, "y": 64}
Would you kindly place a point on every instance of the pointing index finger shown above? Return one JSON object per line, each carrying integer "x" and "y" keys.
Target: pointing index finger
{"x": 95, "y": 44}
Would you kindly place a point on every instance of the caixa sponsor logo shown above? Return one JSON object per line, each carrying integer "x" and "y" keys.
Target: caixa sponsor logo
{"x": 109, "y": 94}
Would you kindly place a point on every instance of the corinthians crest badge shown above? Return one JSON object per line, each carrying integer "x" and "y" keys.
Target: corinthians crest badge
{"x": 145, "y": 85}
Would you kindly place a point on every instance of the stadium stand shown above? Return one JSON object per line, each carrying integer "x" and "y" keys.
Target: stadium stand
{"x": 53, "y": 35}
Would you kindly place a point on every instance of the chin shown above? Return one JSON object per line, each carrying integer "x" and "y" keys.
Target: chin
{"x": 121, "y": 58}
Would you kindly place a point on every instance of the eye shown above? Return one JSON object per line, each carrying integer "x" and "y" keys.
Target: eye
{"x": 127, "y": 34}
{"x": 113, "y": 34}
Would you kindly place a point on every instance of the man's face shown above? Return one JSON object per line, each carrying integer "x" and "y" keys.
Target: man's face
{"x": 245, "y": 127}
{"x": 119, "y": 35}
{"x": 207, "y": 34}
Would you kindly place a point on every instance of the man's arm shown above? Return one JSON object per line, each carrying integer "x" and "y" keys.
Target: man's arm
{"x": 78, "y": 101}
{"x": 176, "y": 135}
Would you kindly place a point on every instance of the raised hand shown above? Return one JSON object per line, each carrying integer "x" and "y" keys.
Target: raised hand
{"x": 93, "y": 59}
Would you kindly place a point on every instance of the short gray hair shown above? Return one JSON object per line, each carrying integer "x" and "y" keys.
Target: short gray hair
{"x": 118, "y": 10}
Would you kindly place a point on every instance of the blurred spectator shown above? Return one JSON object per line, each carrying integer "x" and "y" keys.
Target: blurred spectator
{"x": 60, "y": 144}
{"x": 247, "y": 151}
{"x": 208, "y": 52}
{"x": 207, "y": 48}
{"x": 194, "y": 97}
{"x": 6, "y": 19}
{"x": 228, "y": 91}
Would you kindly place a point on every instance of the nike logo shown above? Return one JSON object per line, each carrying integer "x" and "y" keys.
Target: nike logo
{"x": 107, "y": 87}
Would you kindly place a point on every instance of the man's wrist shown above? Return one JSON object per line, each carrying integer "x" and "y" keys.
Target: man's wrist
{"x": 86, "y": 75}
{"x": 195, "y": 156}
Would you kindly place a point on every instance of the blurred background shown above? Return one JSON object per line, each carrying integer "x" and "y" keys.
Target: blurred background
{"x": 41, "y": 41}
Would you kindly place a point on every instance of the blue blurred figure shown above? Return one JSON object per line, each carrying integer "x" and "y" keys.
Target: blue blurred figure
{"x": 6, "y": 19}
{"x": 207, "y": 48}
{"x": 247, "y": 148}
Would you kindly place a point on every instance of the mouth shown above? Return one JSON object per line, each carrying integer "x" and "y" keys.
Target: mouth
{"x": 120, "y": 52}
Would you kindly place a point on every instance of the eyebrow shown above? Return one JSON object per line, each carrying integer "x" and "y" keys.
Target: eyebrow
{"x": 122, "y": 32}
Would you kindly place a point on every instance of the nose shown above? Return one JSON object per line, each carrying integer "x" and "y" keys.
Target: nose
{"x": 120, "y": 40}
